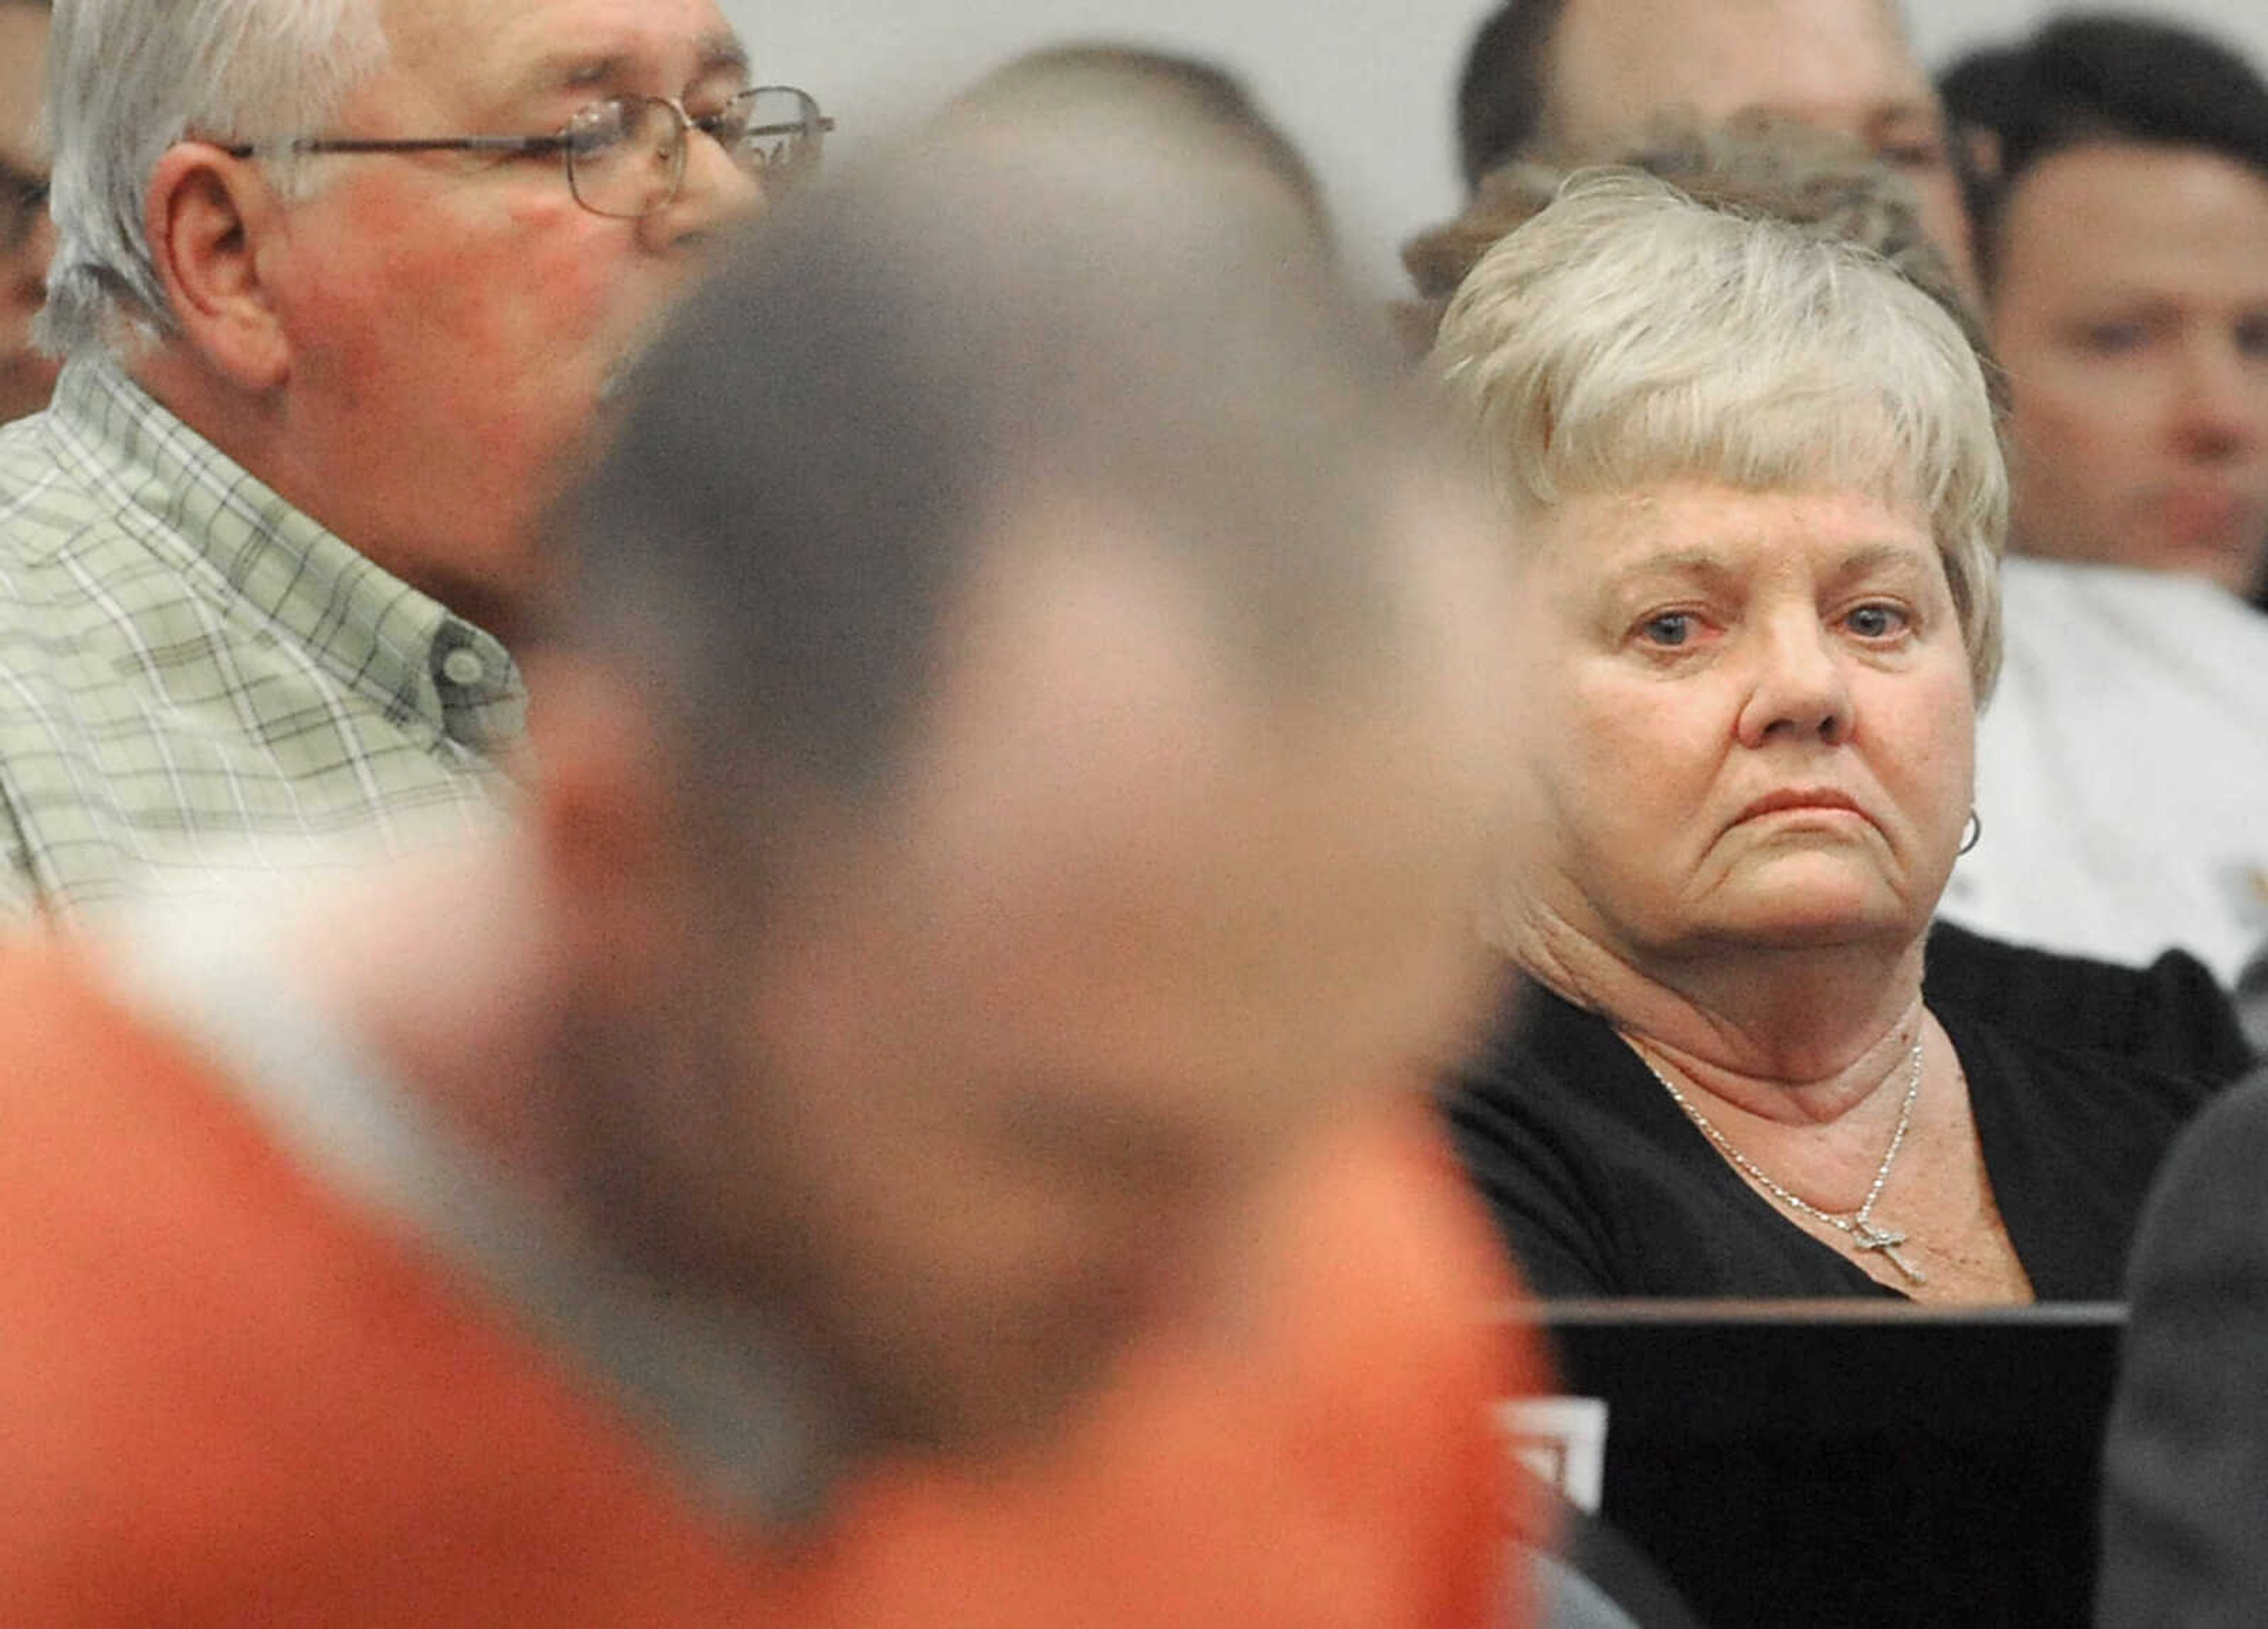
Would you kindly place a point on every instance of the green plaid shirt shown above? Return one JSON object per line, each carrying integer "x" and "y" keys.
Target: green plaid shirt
{"x": 194, "y": 676}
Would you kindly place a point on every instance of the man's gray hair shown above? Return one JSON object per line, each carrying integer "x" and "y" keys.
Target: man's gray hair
{"x": 1629, "y": 335}
{"x": 128, "y": 78}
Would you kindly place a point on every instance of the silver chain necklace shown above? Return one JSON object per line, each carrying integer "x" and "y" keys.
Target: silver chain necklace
{"x": 1857, "y": 1225}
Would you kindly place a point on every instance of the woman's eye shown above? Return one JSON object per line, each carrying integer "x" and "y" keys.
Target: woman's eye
{"x": 1671, "y": 627}
{"x": 1877, "y": 622}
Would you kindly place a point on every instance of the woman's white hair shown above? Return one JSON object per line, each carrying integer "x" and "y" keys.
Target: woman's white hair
{"x": 128, "y": 78}
{"x": 1628, "y": 335}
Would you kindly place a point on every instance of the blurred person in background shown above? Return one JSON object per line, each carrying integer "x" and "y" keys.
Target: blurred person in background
{"x": 342, "y": 284}
{"x": 1756, "y": 160}
{"x": 2123, "y": 216}
{"x": 922, "y": 1121}
{"x": 2185, "y": 1465}
{"x": 26, "y": 236}
{"x": 1753, "y": 498}
{"x": 1550, "y": 77}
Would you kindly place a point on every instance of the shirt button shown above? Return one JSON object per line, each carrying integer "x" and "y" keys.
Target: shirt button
{"x": 463, "y": 667}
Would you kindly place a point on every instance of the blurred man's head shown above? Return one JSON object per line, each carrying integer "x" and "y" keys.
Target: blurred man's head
{"x": 1583, "y": 74}
{"x": 406, "y": 345}
{"x": 2123, "y": 223}
{"x": 1160, "y": 86}
{"x": 1053, "y": 754}
{"x": 27, "y": 238}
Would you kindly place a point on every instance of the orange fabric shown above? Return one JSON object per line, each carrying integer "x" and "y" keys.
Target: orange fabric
{"x": 226, "y": 1399}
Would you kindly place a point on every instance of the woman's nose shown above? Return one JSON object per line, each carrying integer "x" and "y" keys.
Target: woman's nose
{"x": 1800, "y": 688}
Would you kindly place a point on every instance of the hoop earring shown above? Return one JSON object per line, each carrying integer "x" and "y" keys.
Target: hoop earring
{"x": 1975, "y": 835}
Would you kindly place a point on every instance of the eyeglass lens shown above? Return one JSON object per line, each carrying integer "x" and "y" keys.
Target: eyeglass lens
{"x": 626, "y": 157}
{"x": 780, "y": 134}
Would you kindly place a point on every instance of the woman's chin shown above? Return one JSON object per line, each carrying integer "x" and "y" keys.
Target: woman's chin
{"x": 1816, "y": 911}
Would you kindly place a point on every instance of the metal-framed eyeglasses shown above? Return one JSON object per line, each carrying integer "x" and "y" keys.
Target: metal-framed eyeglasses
{"x": 625, "y": 156}
{"x": 23, "y": 201}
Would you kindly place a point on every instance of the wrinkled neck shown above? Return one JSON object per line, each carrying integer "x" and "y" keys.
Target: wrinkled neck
{"x": 1804, "y": 1033}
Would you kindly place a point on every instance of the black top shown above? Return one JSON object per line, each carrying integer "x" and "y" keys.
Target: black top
{"x": 1604, "y": 1188}
{"x": 2170, "y": 1016}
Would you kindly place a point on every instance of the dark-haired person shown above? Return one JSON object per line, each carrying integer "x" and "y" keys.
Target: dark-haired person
{"x": 922, "y": 1121}
{"x": 1545, "y": 78}
{"x": 2123, "y": 771}
{"x": 26, "y": 236}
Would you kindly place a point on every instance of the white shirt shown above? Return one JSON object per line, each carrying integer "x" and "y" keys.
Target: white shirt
{"x": 2122, "y": 770}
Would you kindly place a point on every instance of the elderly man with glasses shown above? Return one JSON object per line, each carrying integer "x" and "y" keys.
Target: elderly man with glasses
{"x": 342, "y": 284}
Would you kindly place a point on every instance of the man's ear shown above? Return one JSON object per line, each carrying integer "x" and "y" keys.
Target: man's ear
{"x": 207, "y": 214}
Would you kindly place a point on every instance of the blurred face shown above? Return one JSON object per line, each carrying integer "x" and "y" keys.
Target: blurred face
{"x": 26, "y": 377}
{"x": 1021, "y": 1050}
{"x": 1841, "y": 65}
{"x": 1750, "y": 721}
{"x": 454, "y": 318}
{"x": 2130, "y": 310}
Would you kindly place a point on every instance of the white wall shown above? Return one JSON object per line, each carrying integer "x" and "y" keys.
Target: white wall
{"x": 1365, "y": 89}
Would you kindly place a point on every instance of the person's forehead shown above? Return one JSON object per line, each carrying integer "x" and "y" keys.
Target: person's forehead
{"x": 23, "y": 50}
{"x": 1840, "y": 64}
{"x": 1689, "y": 523}
{"x": 1101, "y": 826}
{"x": 499, "y": 50}
{"x": 1080, "y": 658}
{"x": 2154, "y": 220}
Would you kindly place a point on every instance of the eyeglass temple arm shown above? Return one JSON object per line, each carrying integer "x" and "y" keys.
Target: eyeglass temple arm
{"x": 436, "y": 143}
{"x": 470, "y": 144}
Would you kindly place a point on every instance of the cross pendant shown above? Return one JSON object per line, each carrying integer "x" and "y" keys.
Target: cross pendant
{"x": 1866, "y": 1237}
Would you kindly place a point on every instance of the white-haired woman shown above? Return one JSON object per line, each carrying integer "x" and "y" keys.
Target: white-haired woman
{"x": 1757, "y": 500}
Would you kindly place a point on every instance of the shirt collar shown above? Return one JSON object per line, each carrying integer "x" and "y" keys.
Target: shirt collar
{"x": 238, "y": 540}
